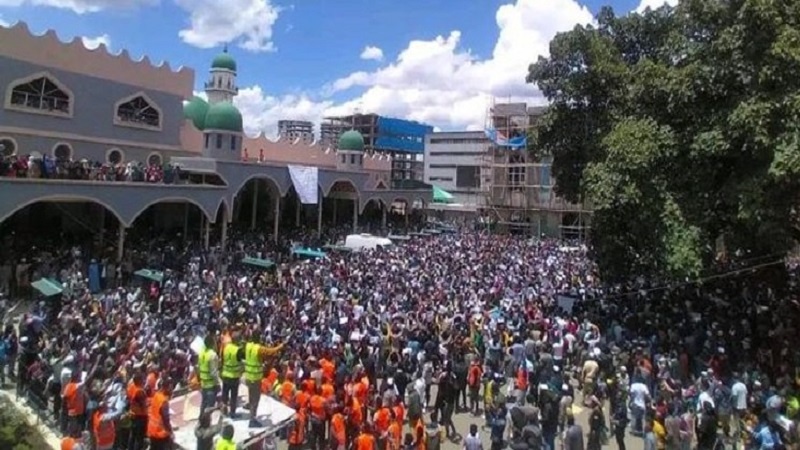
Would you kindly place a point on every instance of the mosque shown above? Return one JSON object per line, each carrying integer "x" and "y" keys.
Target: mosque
{"x": 73, "y": 103}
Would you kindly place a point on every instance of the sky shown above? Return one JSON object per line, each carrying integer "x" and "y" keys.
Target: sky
{"x": 440, "y": 62}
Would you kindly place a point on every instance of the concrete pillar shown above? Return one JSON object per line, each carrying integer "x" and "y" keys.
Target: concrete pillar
{"x": 335, "y": 204}
{"x": 319, "y": 215}
{"x": 102, "y": 222}
{"x": 254, "y": 206}
{"x": 185, "y": 222}
{"x": 121, "y": 243}
{"x": 407, "y": 211}
{"x": 224, "y": 238}
{"x": 383, "y": 216}
{"x": 355, "y": 215}
{"x": 206, "y": 233}
{"x": 277, "y": 224}
{"x": 297, "y": 213}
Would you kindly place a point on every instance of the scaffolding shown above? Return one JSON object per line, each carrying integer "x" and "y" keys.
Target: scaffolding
{"x": 520, "y": 197}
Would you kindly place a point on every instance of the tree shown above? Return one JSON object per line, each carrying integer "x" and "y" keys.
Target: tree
{"x": 15, "y": 432}
{"x": 680, "y": 126}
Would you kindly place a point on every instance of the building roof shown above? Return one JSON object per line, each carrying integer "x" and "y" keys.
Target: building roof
{"x": 223, "y": 116}
{"x": 224, "y": 61}
{"x": 351, "y": 140}
{"x": 196, "y": 110}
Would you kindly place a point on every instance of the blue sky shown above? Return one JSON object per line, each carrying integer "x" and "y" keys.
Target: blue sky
{"x": 437, "y": 61}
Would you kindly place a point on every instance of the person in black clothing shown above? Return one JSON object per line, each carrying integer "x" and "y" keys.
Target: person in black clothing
{"x": 707, "y": 428}
{"x": 619, "y": 422}
{"x": 446, "y": 398}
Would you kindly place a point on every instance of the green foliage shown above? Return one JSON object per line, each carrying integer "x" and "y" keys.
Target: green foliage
{"x": 679, "y": 126}
{"x": 15, "y": 433}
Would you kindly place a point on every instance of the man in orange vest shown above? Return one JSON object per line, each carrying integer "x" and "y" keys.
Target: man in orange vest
{"x": 74, "y": 396}
{"x": 365, "y": 440}
{"x": 382, "y": 419}
{"x": 159, "y": 428}
{"x": 474, "y": 376}
{"x": 338, "y": 431}
{"x": 137, "y": 402}
{"x": 319, "y": 415}
{"x": 104, "y": 427}
{"x": 297, "y": 435}
{"x": 71, "y": 443}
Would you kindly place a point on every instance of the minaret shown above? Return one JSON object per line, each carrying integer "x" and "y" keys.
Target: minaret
{"x": 222, "y": 85}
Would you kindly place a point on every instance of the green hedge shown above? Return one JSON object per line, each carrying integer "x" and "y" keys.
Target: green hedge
{"x": 15, "y": 433}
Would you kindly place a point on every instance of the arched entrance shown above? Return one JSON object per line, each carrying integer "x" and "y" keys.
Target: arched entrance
{"x": 374, "y": 215}
{"x": 256, "y": 204}
{"x": 30, "y": 233}
{"x": 177, "y": 220}
{"x": 342, "y": 202}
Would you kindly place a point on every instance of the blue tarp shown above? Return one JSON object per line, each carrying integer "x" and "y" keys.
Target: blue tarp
{"x": 401, "y": 135}
{"x": 514, "y": 142}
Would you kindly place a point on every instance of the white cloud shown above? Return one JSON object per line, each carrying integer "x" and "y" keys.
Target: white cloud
{"x": 81, "y": 6}
{"x": 212, "y": 23}
{"x": 372, "y": 53}
{"x": 437, "y": 81}
{"x": 654, "y": 4}
{"x": 93, "y": 42}
{"x": 4, "y": 23}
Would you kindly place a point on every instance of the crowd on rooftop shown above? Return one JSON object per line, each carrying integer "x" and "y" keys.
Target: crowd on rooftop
{"x": 48, "y": 167}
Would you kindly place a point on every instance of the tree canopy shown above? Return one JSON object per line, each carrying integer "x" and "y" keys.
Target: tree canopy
{"x": 678, "y": 126}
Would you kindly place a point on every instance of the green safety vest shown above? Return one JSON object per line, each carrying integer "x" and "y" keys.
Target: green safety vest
{"x": 224, "y": 444}
{"x": 204, "y": 370}
{"x": 231, "y": 367}
{"x": 252, "y": 364}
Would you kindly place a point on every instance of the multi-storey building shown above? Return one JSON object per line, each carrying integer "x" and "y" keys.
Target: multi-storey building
{"x": 456, "y": 162}
{"x": 403, "y": 140}
{"x": 296, "y": 129}
{"x": 109, "y": 115}
{"x": 520, "y": 194}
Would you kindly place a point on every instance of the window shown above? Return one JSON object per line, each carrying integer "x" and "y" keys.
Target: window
{"x": 442, "y": 166}
{"x": 62, "y": 152}
{"x": 219, "y": 141}
{"x": 441, "y": 179}
{"x": 41, "y": 94}
{"x": 233, "y": 142}
{"x": 344, "y": 159}
{"x": 138, "y": 111}
{"x": 455, "y": 141}
{"x": 114, "y": 156}
{"x": 154, "y": 159}
{"x": 352, "y": 159}
{"x": 207, "y": 140}
{"x": 468, "y": 176}
{"x": 433, "y": 153}
{"x": 8, "y": 146}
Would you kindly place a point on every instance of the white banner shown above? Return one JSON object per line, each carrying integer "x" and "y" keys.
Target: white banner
{"x": 306, "y": 181}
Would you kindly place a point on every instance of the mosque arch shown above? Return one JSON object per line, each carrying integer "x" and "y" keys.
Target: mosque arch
{"x": 61, "y": 199}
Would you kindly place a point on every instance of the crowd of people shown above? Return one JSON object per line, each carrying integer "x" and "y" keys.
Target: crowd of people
{"x": 46, "y": 166}
{"x": 380, "y": 348}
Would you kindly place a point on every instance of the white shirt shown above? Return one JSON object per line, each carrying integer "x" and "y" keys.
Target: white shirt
{"x": 739, "y": 393}
{"x": 704, "y": 397}
{"x": 639, "y": 394}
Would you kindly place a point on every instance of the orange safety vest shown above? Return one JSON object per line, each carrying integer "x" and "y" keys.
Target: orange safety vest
{"x": 138, "y": 405}
{"x": 309, "y": 386}
{"x": 105, "y": 433}
{"x": 356, "y": 414}
{"x": 419, "y": 435}
{"x": 328, "y": 369}
{"x": 68, "y": 443}
{"x": 73, "y": 397}
{"x": 328, "y": 391}
{"x": 298, "y": 433}
{"x": 522, "y": 380}
{"x": 474, "y": 378}
{"x": 338, "y": 429}
{"x": 156, "y": 429}
{"x": 365, "y": 441}
{"x": 382, "y": 419}
{"x": 395, "y": 435}
{"x": 269, "y": 381}
{"x": 317, "y": 406}
{"x": 287, "y": 392}
{"x": 302, "y": 400}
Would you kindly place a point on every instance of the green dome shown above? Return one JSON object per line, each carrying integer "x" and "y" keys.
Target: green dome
{"x": 224, "y": 61}
{"x": 223, "y": 116}
{"x": 196, "y": 110}
{"x": 351, "y": 140}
